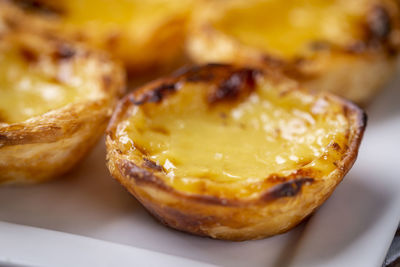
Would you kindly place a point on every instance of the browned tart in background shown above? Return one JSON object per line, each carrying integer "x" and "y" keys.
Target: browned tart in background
{"x": 349, "y": 48}
{"x": 144, "y": 35}
{"x": 56, "y": 99}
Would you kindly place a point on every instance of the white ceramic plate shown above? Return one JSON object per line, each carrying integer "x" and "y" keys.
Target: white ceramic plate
{"x": 353, "y": 228}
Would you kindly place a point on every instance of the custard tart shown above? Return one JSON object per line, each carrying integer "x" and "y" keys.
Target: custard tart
{"x": 349, "y": 48}
{"x": 56, "y": 98}
{"x": 145, "y": 35}
{"x": 232, "y": 152}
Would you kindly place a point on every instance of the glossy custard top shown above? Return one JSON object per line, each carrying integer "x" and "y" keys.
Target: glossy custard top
{"x": 106, "y": 18}
{"x": 240, "y": 143}
{"x": 26, "y": 90}
{"x": 288, "y": 27}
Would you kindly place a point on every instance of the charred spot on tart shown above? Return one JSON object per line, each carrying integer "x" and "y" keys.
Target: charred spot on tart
{"x": 152, "y": 165}
{"x": 140, "y": 149}
{"x": 364, "y": 119}
{"x": 29, "y": 55}
{"x": 206, "y": 73}
{"x": 335, "y": 146}
{"x": 140, "y": 175}
{"x": 275, "y": 178}
{"x": 379, "y": 23}
{"x": 286, "y": 189}
{"x": 39, "y": 7}
{"x": 155, "y": 95}
{"x": 236, "y": 85}
{"x": 63, "y": 51}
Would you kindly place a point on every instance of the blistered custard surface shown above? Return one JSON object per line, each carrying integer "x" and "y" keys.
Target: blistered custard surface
{"x": 285, "y": 28}
{"x": 241, "y": 142}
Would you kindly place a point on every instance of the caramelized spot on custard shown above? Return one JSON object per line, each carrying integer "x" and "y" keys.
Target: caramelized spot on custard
{"x": 239, "y": 83}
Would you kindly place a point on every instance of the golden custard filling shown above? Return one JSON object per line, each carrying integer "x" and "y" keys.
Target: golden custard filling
{"x": 285, "y": 28}
{"x": 239, "y": 144}
{"x": 137, "y": 19}
{"x": 26, "y": 92}
{"x": 33, "y": 82}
